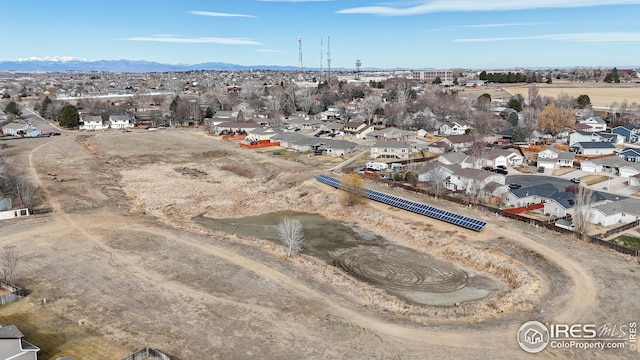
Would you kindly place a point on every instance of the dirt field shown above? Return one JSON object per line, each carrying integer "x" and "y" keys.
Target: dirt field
{"x": 602, "y": 95}
{"x": 122, "y": 253}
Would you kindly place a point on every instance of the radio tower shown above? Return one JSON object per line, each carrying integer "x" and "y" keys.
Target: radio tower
{"x": 300, "y": 68}
{"x": 329, "y": 58}
{"x": 358, "y": 64}
{"x": 321, "y": 50}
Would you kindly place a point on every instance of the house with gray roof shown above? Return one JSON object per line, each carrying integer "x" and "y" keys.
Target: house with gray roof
{"x": 593, "y": 148}
{"x": 561, "y": 203}
{"x": 552, "y": 158}
{"x": 92, "y": 122}
{"x": 436, "y": 170}
{"x": 473, "y": 181}
{"x": 13, "y": 345}
{"x": 595, "y": 123}
{"x": 622, "y": 211}
{"x": 589, "y": 136}
{"x": 14, "y": 128}
{"x": 390, "y": 150}
{"x": 611, "y": 164}
{"x": 529, "y": 195}
{"x": 393, "y": 133}
{"x": 339, "y": 147}
{"x": 458, "y": 158}
{"x": 120, "y": 121}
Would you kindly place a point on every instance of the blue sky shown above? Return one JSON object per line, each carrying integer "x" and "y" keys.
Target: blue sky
{"x": 488, "y": 34}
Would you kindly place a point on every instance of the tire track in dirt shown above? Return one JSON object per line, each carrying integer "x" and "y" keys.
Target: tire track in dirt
{"x": 496, "y": 339}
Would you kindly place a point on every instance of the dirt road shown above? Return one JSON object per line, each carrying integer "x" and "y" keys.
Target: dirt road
{"x": 121, "y": 252}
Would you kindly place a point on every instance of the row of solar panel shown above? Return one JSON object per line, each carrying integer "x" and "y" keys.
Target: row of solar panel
{"x": 422, "y": 209}
{"x": 429, "y": 211}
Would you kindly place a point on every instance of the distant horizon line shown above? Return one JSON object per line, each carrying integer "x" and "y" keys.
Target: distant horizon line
{"x": 75, "y": 60}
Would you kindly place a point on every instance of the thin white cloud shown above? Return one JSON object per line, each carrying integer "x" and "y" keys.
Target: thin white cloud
{"x": 486, "y": 26}
{"x": 594, "y": 38}
{"x": 269, "y": 51}
{"x": 434, "y": 6}
{"x": 218, "y": 14}
{"x": 200, "y": 40}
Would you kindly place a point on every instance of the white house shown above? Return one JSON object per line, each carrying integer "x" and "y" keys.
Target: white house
{"x": 473, "y": 180}
{"x": 593, "y": 148}
{"x": 436, "y": 170}
{"x": 454, "y": 128}
{"x": 92, "y": 122}
{"x": 14, "y": 129}
{"x": 120, "y": 121}
{"x": 588, "y": 136}
{"x": 390, "y": 150}
{"x": 595, "y": 123}
{"x": 621, "y": 211}
{"x": 552, "y": 158}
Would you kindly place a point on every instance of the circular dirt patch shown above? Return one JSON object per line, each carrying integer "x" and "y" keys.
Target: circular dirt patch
{"x": 401, "y": 268}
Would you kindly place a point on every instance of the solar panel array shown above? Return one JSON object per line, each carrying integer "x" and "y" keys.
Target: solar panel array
{"x": 430, "y": 211}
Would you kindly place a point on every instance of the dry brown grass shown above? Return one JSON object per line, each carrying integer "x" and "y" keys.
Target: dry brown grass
{"x": 57, "y": 336}
{"x": 593, "y": 179}
{"x": 562, "y": 171}
{"x": 600, "y": 94}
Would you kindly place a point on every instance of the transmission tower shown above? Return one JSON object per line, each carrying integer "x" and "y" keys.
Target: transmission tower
{"x": 300, "y": 68}
{"x": 321, "y": 50}
{"x": 358, "y": 64}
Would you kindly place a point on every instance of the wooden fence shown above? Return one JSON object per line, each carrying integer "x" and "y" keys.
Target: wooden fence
{"x": 620, "y": 229}
{"x": 548, "y": 224}
{"x": 16, "y": 293}
{"x": 147, "y": 354}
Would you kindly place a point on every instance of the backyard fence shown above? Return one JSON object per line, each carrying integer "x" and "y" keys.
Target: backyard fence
{"x": 15, "y": 293}
{"x": 548, "y": 224}
{"x": 147, "y": 354}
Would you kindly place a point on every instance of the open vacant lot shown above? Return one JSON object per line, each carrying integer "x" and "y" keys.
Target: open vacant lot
{"x": 122, "y": 252}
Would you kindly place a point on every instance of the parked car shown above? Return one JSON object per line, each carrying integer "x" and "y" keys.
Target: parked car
{"x": 514, "y": 186}
{"x": 501, "y": 167}
{"x": 575, "y": 180}
{"x": 540, "y": 169}
{"x": 488, "y": 168}
{"x": 501, "y": 171}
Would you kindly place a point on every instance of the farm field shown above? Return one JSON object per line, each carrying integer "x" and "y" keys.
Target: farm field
{"x": 122, "y": 251}
{"x": 602, "y": 95}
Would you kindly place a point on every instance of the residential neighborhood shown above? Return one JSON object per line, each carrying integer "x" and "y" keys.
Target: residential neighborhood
{"x": 471, "y": 147}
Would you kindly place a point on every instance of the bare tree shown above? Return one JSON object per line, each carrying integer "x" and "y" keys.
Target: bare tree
{"x": 534, "y": 97}
{"x": 290, "y": 231}
{"x": 478, "y": 152}
{"x": 9, "y": 261}
{"x": 613, "y": 119}
{"x": 437, "y": 180}
{"x": 370, "y": 104}
{"x": 582, "y": 205}
{"x": 26, "y": 192}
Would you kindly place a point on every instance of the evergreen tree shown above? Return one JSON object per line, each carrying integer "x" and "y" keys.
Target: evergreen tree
{"x": 69, "y": 117}
{"x": 12, "y": 108}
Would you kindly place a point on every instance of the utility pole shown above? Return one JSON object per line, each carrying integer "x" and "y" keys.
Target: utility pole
{"x": 321, "y": 50}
